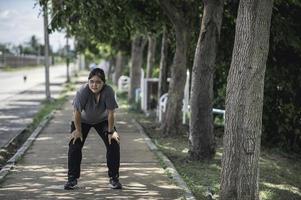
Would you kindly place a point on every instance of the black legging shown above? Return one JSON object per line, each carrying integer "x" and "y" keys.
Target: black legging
{"x": 75, "y": 150}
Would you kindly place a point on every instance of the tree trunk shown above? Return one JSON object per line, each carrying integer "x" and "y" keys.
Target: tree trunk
{"x": 201, "y": 140}
{"x": 173, "y": 120}
{"x": 118, "y": 67}
{"x": 181, "y": 23}
{"x": 138, "y": 45}
{"x": 111, "y": 69}
{"x": 86, "y": 62}
{"x": 244, "y": 101}
{"x": 163, "y": 87}
{"x": 150, "y": 55}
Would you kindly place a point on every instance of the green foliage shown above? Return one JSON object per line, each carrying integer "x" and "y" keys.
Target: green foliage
{"x": 156, "y": 72}
{"x": 106, "y": 22}
{"x": 224, "y": 55}
{"x": 4, "y": 48}
{"x": 282, "y": 109}
{"x": 113, "y": 23}
{"x": 32, "y": 46}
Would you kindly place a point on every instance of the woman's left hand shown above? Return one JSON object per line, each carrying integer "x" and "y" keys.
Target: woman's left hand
{"x": 114, "y": 136}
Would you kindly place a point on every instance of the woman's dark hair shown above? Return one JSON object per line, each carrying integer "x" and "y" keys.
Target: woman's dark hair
{"x": 97, "y": 72}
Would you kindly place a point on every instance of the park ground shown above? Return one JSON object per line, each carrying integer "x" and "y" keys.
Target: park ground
{"x": 280, "y": 177}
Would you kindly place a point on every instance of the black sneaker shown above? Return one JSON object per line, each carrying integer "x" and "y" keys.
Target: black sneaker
{"x": 70, "y": 185}
{"x": 115, "y": 184}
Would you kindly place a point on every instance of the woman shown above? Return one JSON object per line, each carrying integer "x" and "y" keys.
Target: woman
{"x": 94, "y": 105}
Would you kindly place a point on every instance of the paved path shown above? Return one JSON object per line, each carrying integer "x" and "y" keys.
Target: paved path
{"x": 42, "y": 171}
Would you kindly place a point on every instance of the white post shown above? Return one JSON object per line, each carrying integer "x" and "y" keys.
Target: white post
{"x": 185, "y": 108}
{"x": 143, "y": 94}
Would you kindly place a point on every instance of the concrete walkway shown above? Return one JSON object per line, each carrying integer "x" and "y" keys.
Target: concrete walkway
{"x": 41, "y": 173}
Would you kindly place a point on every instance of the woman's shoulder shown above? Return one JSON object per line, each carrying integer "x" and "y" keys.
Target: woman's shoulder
{"x": 108, "y": 88}
{"x": 84, "y": 89}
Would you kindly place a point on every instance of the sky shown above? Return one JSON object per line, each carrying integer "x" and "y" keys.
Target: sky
{"x": 20, "y": 19}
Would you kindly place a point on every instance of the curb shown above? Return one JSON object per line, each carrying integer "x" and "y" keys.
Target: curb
{"x": 7, "y": 145}
{"x": 18, "y": 155}
{"x": 170, "y": 167}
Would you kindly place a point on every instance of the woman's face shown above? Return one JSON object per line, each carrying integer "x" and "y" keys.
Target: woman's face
{"x": 95, "y": 84}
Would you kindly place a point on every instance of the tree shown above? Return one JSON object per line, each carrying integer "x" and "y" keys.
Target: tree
{"x": 138, "y": 45}
{"x": 201, "y": 140}
{"x": 120, "y": 61}
{"x": 112, "y": 23}
{"x": 181, "y": 16}
{"x": 34, "y": 44}
{"x": 5, "y": 50}
{"x": 163, "y": 87}
{"x": 244, "y": 101}
{"x": 282, "y": 77}
{"x": 150, "y": 55}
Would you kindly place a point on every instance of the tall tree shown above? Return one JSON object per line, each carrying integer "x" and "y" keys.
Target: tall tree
{"x": 180, "y": 15}
{"x": 201, "y": 140}
{"x": 34, "y": 44}
{"x": 163, "y": 87}
{"x": 150, "y": 55}
{"x": 244, "y": 101}
{"x": 111, "y": 22}
{"x": 138, "y": 45}
{"x": 120, "y": 60}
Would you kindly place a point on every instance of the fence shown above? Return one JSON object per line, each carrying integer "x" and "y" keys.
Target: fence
{"x": 20, "y": 60}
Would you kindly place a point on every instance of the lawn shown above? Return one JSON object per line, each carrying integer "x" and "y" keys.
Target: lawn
{"x": 280, "y": 177}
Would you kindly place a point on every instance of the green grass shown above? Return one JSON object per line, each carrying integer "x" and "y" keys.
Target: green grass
{"x": 49, "y": 106}
{"x": 280, "y": 176}
{"x": 280, "y": 173}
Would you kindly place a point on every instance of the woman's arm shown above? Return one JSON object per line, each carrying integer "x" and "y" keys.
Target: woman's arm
{"x": 111, "y": 120}
{"x": 112, "y": 134}
{"x": 77, "y": 133}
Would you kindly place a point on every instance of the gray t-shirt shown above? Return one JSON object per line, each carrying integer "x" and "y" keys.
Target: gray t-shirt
{"x": 92, "y": 112}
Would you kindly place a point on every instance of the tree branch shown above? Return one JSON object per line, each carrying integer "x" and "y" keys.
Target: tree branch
{"x": 170, "y": 10}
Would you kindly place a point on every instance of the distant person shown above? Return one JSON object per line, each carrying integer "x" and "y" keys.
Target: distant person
{"x": 94, "y": 105}
{"x": 24, "y": 78}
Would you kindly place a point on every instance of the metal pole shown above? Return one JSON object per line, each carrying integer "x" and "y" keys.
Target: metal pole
{"x": 67, "y": 55}
{"x": 46, "y": 38}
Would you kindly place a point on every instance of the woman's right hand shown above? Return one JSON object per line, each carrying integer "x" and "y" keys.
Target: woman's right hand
{"x": 75, "y": 135}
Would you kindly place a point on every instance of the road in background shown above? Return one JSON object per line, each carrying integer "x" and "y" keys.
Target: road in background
{"x": 12, "y": 83}
{"x": 20, "y": 100}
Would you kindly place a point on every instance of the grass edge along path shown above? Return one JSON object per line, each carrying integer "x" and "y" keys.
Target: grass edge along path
{"x": 280, "y": 177}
